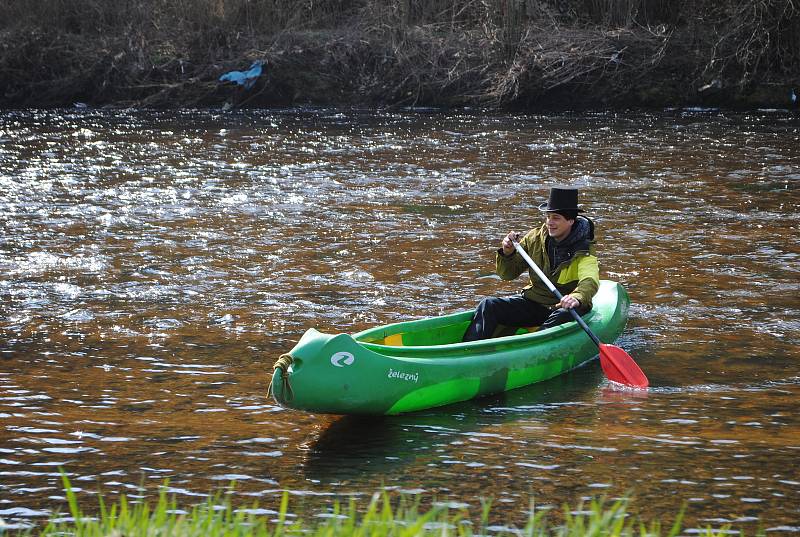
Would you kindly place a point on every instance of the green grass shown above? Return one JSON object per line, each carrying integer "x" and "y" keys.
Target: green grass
{"x": 385, "y": 516}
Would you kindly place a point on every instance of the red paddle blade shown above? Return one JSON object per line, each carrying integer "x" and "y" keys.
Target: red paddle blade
{"x": 620, "y": 367}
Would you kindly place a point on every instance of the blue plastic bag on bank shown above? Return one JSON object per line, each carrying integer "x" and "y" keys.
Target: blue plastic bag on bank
{"x": 244, "y": 78}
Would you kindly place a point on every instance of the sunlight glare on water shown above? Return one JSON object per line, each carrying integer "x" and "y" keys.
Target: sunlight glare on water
{"x": 155, "y": 264}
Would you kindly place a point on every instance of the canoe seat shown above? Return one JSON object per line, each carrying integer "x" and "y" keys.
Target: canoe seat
{"x": 395, "y": 340}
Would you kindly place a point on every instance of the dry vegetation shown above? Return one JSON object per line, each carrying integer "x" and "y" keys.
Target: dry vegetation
{"x": 524, "y": 53}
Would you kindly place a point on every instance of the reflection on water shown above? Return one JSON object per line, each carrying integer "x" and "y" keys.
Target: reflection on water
{"x": 153, "y": 265}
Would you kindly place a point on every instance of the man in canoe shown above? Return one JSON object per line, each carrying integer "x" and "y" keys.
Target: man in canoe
{"x": 563, "y": 247}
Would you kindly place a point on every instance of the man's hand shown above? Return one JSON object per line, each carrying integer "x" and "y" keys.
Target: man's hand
{"x": 569, "y": 302}
{"x": 508, "y": 242}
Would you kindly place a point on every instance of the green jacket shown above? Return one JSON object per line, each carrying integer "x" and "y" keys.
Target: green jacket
{"x": 578, "y": 275}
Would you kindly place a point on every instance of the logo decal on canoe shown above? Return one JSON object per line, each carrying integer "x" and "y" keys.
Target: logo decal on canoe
{"x": 410, "y": 377}
{"x": 341, "y": 359}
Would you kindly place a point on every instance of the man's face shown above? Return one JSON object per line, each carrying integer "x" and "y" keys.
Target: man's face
{"x": 558, "y": 227}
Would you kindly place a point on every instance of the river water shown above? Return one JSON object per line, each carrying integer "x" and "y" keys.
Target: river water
{"x": 153, "y": 265}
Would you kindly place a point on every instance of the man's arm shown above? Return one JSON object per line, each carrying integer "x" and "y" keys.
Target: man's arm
{"x": 588, "y": 280}
{"x": 508, "y": 264}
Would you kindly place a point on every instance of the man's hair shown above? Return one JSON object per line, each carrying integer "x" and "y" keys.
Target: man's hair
{"x": 568, "y": 214}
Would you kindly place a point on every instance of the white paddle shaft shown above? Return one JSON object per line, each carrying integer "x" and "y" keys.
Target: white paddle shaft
{"x": 542, "y": 276}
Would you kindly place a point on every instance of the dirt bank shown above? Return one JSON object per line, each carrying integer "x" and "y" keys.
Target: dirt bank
{"x": 523, "y": 54}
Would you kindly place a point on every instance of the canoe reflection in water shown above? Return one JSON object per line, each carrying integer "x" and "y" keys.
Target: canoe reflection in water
{"x": 354, "y": 448}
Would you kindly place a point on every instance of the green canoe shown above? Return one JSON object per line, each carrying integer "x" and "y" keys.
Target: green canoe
{"x": 421, "y": 364}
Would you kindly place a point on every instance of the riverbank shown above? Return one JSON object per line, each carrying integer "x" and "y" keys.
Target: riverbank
{"x": 530, "y": 54}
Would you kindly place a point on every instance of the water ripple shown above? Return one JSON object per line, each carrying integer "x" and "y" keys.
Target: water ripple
{"x": 154, "y": 264}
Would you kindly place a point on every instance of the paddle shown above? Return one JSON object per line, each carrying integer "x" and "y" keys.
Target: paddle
{"x": 616, "y": 363}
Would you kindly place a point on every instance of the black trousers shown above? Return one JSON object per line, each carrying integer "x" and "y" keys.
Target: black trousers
{"x": 514, "y": 311}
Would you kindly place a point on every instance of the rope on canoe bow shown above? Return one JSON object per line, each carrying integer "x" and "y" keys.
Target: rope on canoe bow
{"x": 283, "y": 362}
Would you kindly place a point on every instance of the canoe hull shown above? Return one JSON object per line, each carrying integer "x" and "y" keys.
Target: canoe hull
{"x": 378, "y": 372}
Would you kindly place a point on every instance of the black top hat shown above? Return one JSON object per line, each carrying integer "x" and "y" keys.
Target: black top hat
{"x": 562, "y": 198}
